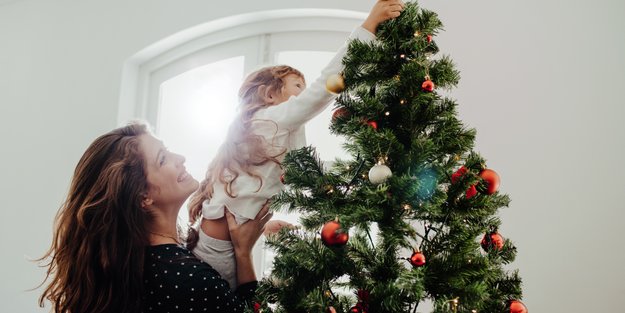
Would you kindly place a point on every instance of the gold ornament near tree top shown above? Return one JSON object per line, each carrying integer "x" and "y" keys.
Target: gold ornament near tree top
{"x": 335, "y": 83}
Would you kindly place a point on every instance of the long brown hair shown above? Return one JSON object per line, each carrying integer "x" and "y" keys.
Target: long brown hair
{"x": 96, "y": 259}
{"x": 242, "y": 149}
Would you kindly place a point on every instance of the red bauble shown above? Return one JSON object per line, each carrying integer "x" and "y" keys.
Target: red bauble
{"x": 491, "y": 179}
{"x": 472, "y": 191}
{"x": 282, "y": 180}
{"x": 340, "y": 113}
{"x": 429, "y": 37}
{"x": 492, "y": 240}
{"x": 356, "y": 309}
{"x": 417, "y": 259}
{"x": 256, "y": 307}
{"x": 427, "y": 85}
{"x": 333, "y": 235}
{"x": 517, "y": 306}
{"x": 373, "y": 124}
{"x": 459, "y": 173}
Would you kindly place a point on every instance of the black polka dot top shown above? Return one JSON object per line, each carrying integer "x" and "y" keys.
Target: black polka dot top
{"x": 177, "y": 281}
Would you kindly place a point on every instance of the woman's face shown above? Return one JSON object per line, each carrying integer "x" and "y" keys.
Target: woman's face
{"x": 169, "y": 184}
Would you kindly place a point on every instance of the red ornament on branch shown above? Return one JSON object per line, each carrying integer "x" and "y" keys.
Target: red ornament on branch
{"x": 417, "y": 259}
{"x": 472, "y": 191}
{"x": 429, "y": 37}
{"x": 491, "y": 179}
{"x": 492, "y": 241}
{"x": 516, "y": 306}
{"x": 355, "y": 309}
{"x": 428, "y": 85}
{"x": 333, "y": 235}
{"x": 373, "y": 124}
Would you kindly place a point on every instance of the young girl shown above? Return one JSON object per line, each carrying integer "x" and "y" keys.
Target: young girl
{"x": 274, "y": 106}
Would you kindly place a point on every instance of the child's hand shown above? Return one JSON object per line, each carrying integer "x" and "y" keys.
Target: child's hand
{"x": 275, "y": 226}
{"x": 382, "y": 10}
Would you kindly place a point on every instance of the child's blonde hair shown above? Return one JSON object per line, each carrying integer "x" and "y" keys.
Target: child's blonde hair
{"x": 242, "y": 149}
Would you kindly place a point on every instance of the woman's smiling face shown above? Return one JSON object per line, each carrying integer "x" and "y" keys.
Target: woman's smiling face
{"x": 169, "y": 184}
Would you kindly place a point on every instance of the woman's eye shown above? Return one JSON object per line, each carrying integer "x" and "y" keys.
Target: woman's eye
{"x": 162, "y": 161}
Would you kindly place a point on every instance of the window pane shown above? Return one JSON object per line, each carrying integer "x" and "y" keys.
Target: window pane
{"x": 310, "y": 63}
{"x": 195, "y": 110}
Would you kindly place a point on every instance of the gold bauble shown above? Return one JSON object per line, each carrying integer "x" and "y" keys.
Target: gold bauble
{"x": 335, "y": 83}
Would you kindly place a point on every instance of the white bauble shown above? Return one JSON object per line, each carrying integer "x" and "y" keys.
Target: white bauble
{"x": 379, "y": 173}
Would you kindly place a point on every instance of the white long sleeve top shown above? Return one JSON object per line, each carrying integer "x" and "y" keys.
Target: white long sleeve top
{"x": 287, "y": 131}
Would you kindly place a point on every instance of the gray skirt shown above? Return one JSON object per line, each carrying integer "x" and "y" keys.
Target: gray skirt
{"x": 219, "y": 254}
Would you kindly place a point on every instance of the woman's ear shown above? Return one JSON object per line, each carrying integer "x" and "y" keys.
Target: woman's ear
{"x": 147, "y": 201}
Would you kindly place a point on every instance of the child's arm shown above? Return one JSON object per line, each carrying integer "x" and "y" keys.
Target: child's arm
{"x": 313, "y": 100}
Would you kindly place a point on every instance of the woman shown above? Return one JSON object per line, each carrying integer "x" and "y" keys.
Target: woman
{"x": 116, "y": 246}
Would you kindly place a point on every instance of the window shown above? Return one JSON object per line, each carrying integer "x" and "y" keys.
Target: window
{"x": 186, "y": 86}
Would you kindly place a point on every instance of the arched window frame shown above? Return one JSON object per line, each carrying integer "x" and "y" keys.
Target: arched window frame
{"x": 266, "y": 31}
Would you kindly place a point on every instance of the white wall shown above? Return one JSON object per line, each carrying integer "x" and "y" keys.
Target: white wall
{"x": 540, "y": 83}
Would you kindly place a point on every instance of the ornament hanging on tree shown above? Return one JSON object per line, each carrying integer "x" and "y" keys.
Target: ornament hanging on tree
{"x": 492, "y": 241}
{"x": 373, "y": 124}
{"x": 332, "y": 235}
{"x": 379, "y": 173}
{"x": 356, "y": 309}
{"x": 471, "y": 191}
{"x": 331, "y": 309}
{"x": 256, "y": 307}
{"x": 428, "y": 85}
{"x": 417, "y": 259}
{"x": 516, "y": 306}
{"x": 282, "y": 180}
{"x": 491, "y": 179}
{"x": 429, "y": 38}
{"x": 339, "y": 114}
{"x": 335, "y": 83}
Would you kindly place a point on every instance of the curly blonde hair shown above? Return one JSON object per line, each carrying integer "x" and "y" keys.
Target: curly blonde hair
{"x": 242, "y": 148}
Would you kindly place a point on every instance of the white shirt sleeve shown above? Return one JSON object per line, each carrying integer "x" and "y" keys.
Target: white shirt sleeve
{"x": 298, "y": 110}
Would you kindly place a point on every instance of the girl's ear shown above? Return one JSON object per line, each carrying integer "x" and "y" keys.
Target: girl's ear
{"x": 267, "y": 94}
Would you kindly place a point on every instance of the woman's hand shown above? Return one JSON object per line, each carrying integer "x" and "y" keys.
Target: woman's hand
{"x": 382, "y": 10}
{"x": 245, "y": 235}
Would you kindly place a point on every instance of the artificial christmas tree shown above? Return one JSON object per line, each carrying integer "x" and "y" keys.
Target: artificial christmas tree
{"x": 414, "y": 191}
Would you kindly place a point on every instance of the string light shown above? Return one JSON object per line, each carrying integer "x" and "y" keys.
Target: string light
{"x": 387, "y": 113}
{"x": 454, "y": 304}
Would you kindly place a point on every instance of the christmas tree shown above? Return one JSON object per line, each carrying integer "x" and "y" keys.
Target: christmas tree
{"x": 412, "y": 216}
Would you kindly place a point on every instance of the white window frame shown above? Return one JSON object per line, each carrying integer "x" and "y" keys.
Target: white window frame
{"x": 269, "y": 32}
